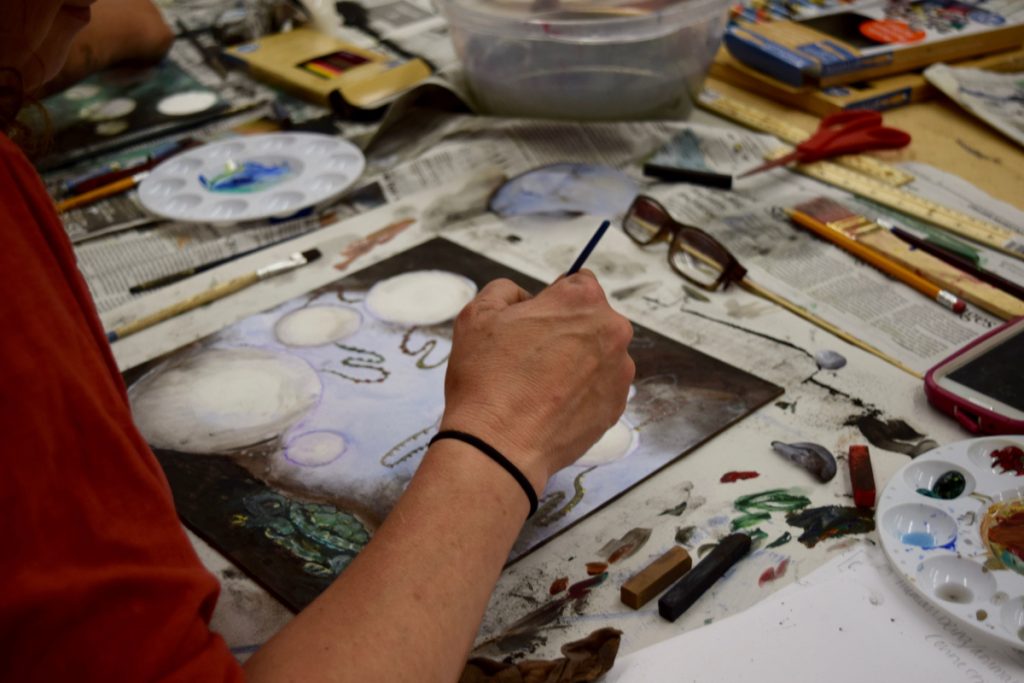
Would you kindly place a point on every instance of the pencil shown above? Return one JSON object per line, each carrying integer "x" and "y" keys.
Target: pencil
{"x": 99, "y": 193}
{"x": 960, "y": 262}
{"x": 582, "y": 258}
{"x": 884, "y": 264}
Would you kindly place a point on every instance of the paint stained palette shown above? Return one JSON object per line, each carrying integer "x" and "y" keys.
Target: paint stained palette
{"x": 288, "y": 436}
{"x": 952, "y": 523}
{"x": 252, "y": 177}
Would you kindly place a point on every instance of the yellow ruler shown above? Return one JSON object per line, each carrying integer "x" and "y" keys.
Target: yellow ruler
{"x": 983, "y": 232}
{"x": 752, "y": 117}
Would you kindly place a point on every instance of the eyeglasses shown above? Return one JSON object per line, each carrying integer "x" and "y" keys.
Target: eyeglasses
{"x": 692, "y": 253}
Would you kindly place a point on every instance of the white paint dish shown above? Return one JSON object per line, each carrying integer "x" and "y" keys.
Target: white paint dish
{"x": 251, "y": 178}
{"x": 420, "y": 298}
{"x": 941, "y": 547}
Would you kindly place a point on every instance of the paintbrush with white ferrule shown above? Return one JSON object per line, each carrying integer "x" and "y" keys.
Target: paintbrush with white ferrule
{"x": 296, "y": 260}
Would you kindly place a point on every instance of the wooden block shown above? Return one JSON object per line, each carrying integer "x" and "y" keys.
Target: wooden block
{"x": 656, "y": 577}
{"x": 727, "y": 553}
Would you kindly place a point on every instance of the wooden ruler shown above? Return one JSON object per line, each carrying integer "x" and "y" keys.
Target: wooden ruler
{"x": 947, "y": 277}
{"x": 983, "y": 232}
{"x": 752, "y": 117}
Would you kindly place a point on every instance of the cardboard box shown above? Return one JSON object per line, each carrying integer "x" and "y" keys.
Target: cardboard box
{"x": 879, "y": 94}
{"x": 888, "y": 38}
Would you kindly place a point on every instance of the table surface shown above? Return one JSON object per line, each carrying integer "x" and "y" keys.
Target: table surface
{"x": 820, "y": 406}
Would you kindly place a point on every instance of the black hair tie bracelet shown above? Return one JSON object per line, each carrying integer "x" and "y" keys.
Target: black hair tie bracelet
{"x": 492, "y": 453}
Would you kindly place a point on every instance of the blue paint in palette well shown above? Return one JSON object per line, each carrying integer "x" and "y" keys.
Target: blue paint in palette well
{"x": 926, "y": 541}
{"x": 248, "y": 177}
{"x": 922, "y": 539}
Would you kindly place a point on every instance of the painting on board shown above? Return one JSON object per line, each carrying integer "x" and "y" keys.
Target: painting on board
{"x": 125, "y": 105}
{"x": 288, "y": 436}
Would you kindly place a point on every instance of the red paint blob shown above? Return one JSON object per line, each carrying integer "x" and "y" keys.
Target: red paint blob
{"x": 773, "y": 573}
{"x": 730, "y": 477}
{"x": 595, "y": 568}
{"x": 559, "y": 585}
{"x": 1009, "y": 459}
{"x": 617, "y": 555}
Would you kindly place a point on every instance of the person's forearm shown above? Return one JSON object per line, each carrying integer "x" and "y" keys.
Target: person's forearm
{"x": 119, "y": 31}
{"x": 408, "y": 607}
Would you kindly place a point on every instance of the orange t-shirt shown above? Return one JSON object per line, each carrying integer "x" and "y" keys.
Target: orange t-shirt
{"x": 98, "y": 581}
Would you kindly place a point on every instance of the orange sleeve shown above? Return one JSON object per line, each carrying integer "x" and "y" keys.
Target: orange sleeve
{"x": 100, "y": 582}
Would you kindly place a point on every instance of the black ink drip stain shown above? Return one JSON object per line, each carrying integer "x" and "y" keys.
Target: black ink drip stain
{"x": 892, "y": 435}
{"x": 676, "y": 511}
{"x": 830, "y": 521}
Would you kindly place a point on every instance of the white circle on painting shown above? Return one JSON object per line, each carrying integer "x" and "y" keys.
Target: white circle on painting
{"x": 223, "y": 399}
{"x": 82, "y": 91}
{"x": 317, "y": 325}
{"x": 111, "y": 127}
{"x": 616, "y": 443}
{"x": 422, "y": 297}
{"x": 117, "y": 108}
{"x": 186, "y": 103}
{"x": 315, "y": 449}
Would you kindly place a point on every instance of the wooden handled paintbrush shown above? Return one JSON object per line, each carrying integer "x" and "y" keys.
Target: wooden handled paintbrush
{"x": 296, "y": 260}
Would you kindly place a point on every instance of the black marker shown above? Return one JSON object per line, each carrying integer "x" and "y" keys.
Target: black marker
{"x": 677, "y": 174}
{"x": 689, "y": 588}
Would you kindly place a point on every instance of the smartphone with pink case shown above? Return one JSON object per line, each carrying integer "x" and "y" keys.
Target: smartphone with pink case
{"x": 982, "y": 384}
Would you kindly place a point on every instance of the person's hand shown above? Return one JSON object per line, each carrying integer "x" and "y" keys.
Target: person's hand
{"x": 542, "y": 378}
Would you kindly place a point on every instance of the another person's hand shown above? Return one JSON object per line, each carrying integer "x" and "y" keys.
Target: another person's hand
{"x": 542, "y": 378}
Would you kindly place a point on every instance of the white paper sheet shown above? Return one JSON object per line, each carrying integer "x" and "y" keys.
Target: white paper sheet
{"x": 851, "y": 621}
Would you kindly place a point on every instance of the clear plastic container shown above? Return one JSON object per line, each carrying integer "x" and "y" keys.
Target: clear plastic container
{"x": 585, "y": 59}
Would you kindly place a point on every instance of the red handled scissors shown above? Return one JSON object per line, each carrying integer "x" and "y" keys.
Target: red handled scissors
{"x": 845, "y": 132}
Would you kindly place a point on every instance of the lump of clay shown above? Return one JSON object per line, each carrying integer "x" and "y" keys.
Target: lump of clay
{"x": 812, "y": 457}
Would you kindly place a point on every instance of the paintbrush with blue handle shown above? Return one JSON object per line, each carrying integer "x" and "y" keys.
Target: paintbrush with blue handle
{"x": 585, "y": 254}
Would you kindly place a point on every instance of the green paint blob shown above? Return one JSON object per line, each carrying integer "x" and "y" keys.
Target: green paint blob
{"x": 771, "y": 501}
{"x": 785, "y": 538}
{"x": 747, "y": 521}
{"x": 757, "y": 535}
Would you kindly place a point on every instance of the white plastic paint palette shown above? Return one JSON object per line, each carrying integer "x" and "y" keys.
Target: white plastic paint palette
{"x": 252, "y": 178}
{"x": 946, "y": 548}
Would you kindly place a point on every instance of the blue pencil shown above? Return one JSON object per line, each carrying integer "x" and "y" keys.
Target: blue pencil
{"x": 582, "y": 258}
